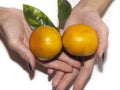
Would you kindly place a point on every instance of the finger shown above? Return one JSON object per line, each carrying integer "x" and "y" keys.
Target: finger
{"x": 50, "y": 71}
{"x": 84, "y": 74}
{"x": 56, "y": 79}
{"x": 67, "y": 59}
{"x": 67, "y": 79}
{"x": 103, "y": 39}
{"x": 24, "y": 52}
{"x": 57, "y": 65}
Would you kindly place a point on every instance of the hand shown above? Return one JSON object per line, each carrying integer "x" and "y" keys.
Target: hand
{"x": 85, "y": 16}
{"x": 16, "y": 33}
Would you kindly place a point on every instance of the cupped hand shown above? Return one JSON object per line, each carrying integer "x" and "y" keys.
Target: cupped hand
{"x": 89, "y": 17}
{"x": 16, "y": 33}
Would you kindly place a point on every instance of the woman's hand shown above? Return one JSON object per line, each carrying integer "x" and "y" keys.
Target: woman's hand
{"x": 89, "y": 17}
{"x": 16, "y": 33}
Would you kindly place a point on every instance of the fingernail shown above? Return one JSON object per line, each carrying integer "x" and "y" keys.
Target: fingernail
{"x": 103, "y": 57}
{"x": 54, "y": 88}
{"x": 29, "y": 67}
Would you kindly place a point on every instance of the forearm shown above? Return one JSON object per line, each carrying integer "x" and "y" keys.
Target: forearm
{"x": 97, "y": 5}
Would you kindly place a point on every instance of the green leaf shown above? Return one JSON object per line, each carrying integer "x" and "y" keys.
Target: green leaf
{"x": 64, "y": 10}
{"x": 36, "y": 17}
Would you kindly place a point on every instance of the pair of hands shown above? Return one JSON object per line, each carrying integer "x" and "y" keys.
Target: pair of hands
{"x": 16, "y": 33}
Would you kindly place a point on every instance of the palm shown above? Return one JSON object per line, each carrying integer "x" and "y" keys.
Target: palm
{"x": 92, "y": 19}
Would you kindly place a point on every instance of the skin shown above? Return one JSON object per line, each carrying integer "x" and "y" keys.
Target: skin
{"x": 86, "y": 12}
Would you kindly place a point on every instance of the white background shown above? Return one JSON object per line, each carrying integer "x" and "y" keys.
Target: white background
{"x": 14, "y": 77}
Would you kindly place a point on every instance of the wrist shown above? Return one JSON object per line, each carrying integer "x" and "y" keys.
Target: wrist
{"x": 3, "y": 15}
{"x": 94, "y": 5}
{"x": 82, "y": 12}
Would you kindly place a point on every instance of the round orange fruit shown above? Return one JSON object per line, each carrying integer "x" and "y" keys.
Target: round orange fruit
{"x": 80, "y": 40}
{"x": 45, "y": 42}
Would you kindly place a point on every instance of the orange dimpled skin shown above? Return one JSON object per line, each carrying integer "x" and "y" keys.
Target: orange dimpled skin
{"x": 45, "y": 42}
{"x": 80, "y": 40}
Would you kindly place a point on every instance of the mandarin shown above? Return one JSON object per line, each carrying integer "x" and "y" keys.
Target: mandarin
{"x": 80, "y": 40}
{"x": 45, "y": 42}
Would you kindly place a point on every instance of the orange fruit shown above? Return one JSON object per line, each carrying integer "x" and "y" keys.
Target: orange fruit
{"x": 80, "y": 40}
{"x": 45, "y": 42}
